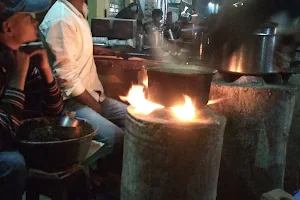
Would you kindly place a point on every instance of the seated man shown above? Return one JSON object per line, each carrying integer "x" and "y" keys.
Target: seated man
{"x": 157, "y": 16}
{"x": 68, "y": 36}
{"x": 18, "y": 27}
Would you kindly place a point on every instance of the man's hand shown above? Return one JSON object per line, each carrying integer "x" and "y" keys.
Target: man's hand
{"x": 86, "y": 99}
{"x": 43, "y": 57}
{"x": 22, "y": 61}
{"x": 22, "y": 64}
{"x": 44, "y": 65}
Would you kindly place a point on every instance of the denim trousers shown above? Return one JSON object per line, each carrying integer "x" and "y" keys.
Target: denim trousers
{"x": 110, "y": 122}
{"x": 12, "y": 175}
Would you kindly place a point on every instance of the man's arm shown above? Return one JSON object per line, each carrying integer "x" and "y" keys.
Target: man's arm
{"x": 52, "y": 101}
{"x": 12, "y": 102}
{"x": 60, "y": 38}
{"x": 11, "y": 107}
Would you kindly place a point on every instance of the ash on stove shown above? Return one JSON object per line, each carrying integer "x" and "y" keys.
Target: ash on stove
{"x": 270, "y": 79}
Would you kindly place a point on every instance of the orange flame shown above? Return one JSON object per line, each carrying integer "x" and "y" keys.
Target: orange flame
{"x": 136, "y": 98}
{"x": 185, "y": 112}
{"x": 145, "y": 81}
{"x": 211, "y": 102}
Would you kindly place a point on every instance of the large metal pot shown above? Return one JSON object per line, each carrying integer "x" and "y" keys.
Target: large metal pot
{"x": 199, "y": 38}
{"x": 54, "y": 155}
{"x": 255, "y": 56}
{"x": 156, "y": 38}
{"x": 167, "y": 83}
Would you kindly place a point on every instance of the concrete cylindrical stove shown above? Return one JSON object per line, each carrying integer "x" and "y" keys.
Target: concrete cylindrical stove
{"x": 292, "y": 168}
{"x": 167, "y": 159}
{"x": 259, "y": 117}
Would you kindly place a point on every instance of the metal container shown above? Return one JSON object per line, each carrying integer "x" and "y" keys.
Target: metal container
{"x": 255, "y": 56}
{"x": 171, "y": 34}
{"x": 167, "y": 83}
{"x": 157, "y": 38}
{"x": 140, "y": 42}
{"x": 198, "y": 36}
{"x": 189, "y": 32}
{"x": 52, "y": 156}
{"x": 165, "y": 159}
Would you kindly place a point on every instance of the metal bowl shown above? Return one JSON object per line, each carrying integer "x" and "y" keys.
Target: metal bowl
{"x": 167, "y": 83}
{"x": 53, "y": 156}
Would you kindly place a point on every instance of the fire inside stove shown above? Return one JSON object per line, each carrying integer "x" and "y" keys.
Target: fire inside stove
{"x": 187, "y": 112}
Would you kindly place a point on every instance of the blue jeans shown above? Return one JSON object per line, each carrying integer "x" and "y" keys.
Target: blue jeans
{"x": 110, "y": 122}
{"x": 297, "y": 195}
{"x": 12, "y": 175}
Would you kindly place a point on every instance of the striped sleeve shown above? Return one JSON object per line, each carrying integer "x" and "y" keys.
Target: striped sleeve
{"x": 11, "y": 107}
{"x": 52, "y": 102}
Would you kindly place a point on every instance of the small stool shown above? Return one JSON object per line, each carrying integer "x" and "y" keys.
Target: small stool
{"x": 58, "y": 185}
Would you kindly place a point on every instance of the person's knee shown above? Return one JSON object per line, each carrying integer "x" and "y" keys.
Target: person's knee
{"x": 112, "y": 135}
{"x": 13, "y": 172}
{"x": 14, "y": 165}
